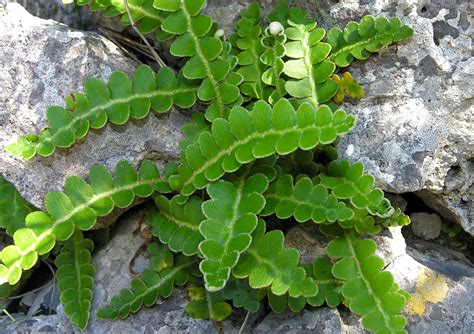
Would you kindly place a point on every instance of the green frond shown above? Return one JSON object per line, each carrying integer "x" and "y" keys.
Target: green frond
{"x": 349, "y": 182}
{"x": 329, "y": 287}
{"x": 209, "y": 55}
{"x": 368, "y": 290}
{"x": 75, "y": 278}
{"x": 146, "y": 290}
{"x": 259, "y": 133}
{"x": 13, "y": 208}
{"x": 242, "y": 295}
{"x": 308, "y": 67}
{"x": 177, "y": 224}
{"x": 77, "y": 208}
{"x": 304, "y": 200}
{"x": 147, "y": 18}
{"x": 360, "y": 40}
{"x": 268, "y": 264}
{"x": 116, "y": 102}
{"x": 231, "y": 216}
{"x": 248, "y": 41}
{"x": 207, "y": 305}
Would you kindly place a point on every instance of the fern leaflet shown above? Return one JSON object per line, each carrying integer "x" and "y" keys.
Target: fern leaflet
{"x": 231, "y": 218}
{"x": 75, "y": 277}
{"x": 13, "y": 208}
{"x": 177, "y": 225}
{"x": 369, "y": 291}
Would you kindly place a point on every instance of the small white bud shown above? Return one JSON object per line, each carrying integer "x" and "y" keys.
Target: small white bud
{"x": 219, "y": 33}
{"x": 275, "y": 28}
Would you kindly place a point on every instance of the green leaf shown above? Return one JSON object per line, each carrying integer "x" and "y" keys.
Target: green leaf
{"x": 116, "y": 102}
{"x": 146, "y": 289}
{"x": 242, "y": 295}
{"x": 13, "y": 208}
{"x": 207, "y": 305}
{"x": 349, "y": 182}
{"x": 228, "y": 151}
{"x": 267, "y": 264}
{"x": 309, "y": 69}
{"x": 177, "y": 224}
{"x": 77, "y": 208}
{"x": 231, "y": 218}
{"x": 359, "y": 40}
{"x": 304, "y": 201}
{"x": 369, "y": 291}
{"x": 75, "y": 279}
{"x": 146, "y": 17}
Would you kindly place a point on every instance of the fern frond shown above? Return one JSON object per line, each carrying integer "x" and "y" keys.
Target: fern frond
{"x": 329, "y": 287}
{"x": 309, "y": 68}
{"x": 146, "y": 290}
{"x": 268, "y": 264}
{"x": 349, "y": 182}
{"x": 249, "y": 135}
{"x": 209, "y": 56}
{"x": 77, "y": 208}
{"x": 272, "y": 57}
{"x": 397, "y": 219}
{"x": 75, "y": 277}
{"x": 116, "y": 102}
{"x": 360, "y": 40}
{"x": 147, "y": 18}
{"x": 176, "y": 224}
{"x": 362, "y": 222}
{"x": 248, "y": 41}
{"x": 369, "y": 291}
{"x": 242, "y": 295}
{"x": 304, "y": 200}
{"x": 13, "y": 207}
{"x": 231, "y": 218}
{"x": 207, "y": 305}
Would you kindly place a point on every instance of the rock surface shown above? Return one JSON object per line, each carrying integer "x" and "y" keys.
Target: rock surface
{"x": 425, "y": 225}
{"x": 416, "y": 123}
{"x": 56, "y": 10}
{"x": 54, "y": 62}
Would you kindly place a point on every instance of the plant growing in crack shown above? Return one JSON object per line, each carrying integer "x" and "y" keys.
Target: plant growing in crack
{"x": 261, "y": 149}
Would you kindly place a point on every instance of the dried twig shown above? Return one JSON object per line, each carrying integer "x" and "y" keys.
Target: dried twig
{"x": 132, "y": 23}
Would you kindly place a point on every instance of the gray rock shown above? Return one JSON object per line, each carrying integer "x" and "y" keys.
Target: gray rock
{"x": 56, "y": 10}
{"x": 320, "y": 321}
{"x": 425, "y": 225}
{"x": 43, "y": 61}
{"x": 416, "y": 123}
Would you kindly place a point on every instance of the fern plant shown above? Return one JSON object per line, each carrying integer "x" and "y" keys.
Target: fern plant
{"x": 261, "y": 149}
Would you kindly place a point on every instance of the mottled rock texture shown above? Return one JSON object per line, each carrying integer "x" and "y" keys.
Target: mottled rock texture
{"x": 43, "y": 61}
{"x": 416, "y": 123}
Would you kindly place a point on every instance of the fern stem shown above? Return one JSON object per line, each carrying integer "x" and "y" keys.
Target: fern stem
{"x": 309, "y": 69}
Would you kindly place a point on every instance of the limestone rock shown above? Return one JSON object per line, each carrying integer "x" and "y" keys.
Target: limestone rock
{"x": 425, "y": 225}
{"x": 56, "y": 10}
{"x": 43, "y": 61}
{"x": 415, "y": 130}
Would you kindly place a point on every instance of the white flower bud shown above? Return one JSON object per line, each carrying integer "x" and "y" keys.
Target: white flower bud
{"x": 275, "y": 28}
{"x": 219, "y": 33}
